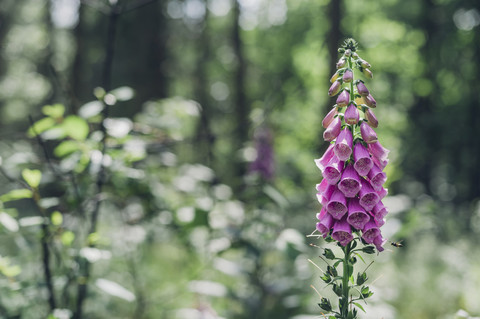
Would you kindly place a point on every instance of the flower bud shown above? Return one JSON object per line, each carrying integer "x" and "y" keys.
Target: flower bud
{"x": 334, "y": 77}
{"x": 368, "y": 134}
{"x": 370, "y": 101}
{"x": 347, "y": 76}
{"x": 333, "y": 130}
{"x": 329, "y": 117}
{"x": 343, "y": 98}
{"x": 351, "y": 114}
{"x": 335, "y": 88}
{"x": 362, "y": 89}
{"x": 355, "y": 55}
{"x": 368, "y": 73}
{"x": 348, "y": 53}
{"x": 364, "y": 63}
{"x": 371, "y": 118}
{"x": 341, "y": 63}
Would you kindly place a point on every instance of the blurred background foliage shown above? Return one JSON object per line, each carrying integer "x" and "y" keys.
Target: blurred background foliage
{"x": 184, "y": 187}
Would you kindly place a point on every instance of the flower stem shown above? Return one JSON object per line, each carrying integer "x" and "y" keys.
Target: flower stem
{"x": 345, "y": 286}
{"x": 352, "y": 93}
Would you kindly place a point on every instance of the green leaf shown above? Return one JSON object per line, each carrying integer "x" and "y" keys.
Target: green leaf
{"x": 65, "y": 148}
{"x": 55, "y": 111}
{"x": 368, "y": 249}
{"x": 76, "y": 127}
{"x": 57, "y": 218}
{"x": 16, "y": 194}
{"x": 32, "y": 177}
{"x": 123, "y": 93}
{"x": 67, "y": 238}
{"x": 328, "y": 253}
{"x": 359, "y": 306}
{"x": 8, "y": 222}
{"x": 91, "y": 109}
{"x": 41, "y": 126}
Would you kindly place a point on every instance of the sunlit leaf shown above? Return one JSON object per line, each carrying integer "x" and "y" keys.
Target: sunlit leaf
{"x": 67, "y": 238}
{"x": 41, "y": 126}
{"x": 76, "y": 127}
{"x": 123, "y": 93}
{"x": 114, "y": 289}
{"x": 9, "y": 222}
{"x": 55, "y": 111}
{"x": 118, "y": 127}
{"x": 32, "y": 177}
{"x": 90, "y": 109}
{"x": 16, "y": 194}
{"x": 65, "y": 148}
{"x": 57, "y": 218}
{"x": 359, "y": 306}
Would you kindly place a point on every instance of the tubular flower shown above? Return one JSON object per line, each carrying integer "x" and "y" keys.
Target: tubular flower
{"x": 329, "y": 117}
{"x": 344, "y": 144}
{"x": 352, "y": 188}
{"x": 351, "y": 114}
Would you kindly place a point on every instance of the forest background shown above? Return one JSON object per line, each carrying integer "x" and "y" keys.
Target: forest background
{"x": 171, "y": 173}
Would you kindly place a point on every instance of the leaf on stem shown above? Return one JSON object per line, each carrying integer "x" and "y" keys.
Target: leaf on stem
{"x": 32, "y": 177}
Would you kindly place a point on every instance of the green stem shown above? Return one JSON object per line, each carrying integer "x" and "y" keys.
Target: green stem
{"x": 345, "y": 286}
{"x": 352, "y": 93}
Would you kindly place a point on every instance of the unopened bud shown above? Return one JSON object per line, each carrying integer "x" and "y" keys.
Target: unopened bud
{"x": 364, "y": 64}
{"x": 351, "y": 114}
{"x": 335, "y": 88}
{"x": 347, "y": 76}
{"x": 368, "y": 134}
{"x": 348, "y": 53}
{"x": 362, "y": 89}
{"x": 334, "y": 77}
{"x": 333, "y": 130}
{"x": 343, "y": 98}
{"x": 371, "y": 118}
{"x": 370, "y": 101}
{"x": 367, "y": 73}
{"x": 341, "y": 63}
{"x": 329, "y": 117}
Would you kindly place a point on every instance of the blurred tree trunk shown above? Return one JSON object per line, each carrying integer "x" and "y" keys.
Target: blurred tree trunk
{"x": 241, "y": 108}
{"x": 204, "y": 138}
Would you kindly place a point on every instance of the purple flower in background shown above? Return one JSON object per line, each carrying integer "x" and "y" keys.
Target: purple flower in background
{"x": 363, "y": 162}
{"x": 342, "y": 232}
{"x": 344, "y": 144}
{"x": 264, "y": 162}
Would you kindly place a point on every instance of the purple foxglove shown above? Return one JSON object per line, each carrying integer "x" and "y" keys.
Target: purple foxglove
{"x": 334, "y": 88}
{"x": 343, "y": 98}
{"x": 333, "y": 171}
{"x": 377, "y": 178}
{"x": 322, "y": 213}
{"x": 351, "y": 114}
{"x": 370, "y": 101}
{"x": 379, "y": 211}
{"x": 379, "y": 242}
{"x": 378, "y": 151}
{"x": 380, "y": 222}
{"x": 364, "y": 63}
{"x": 380, "y": 164}
{"x": 344, "y": 144}
{"x": 333, "y": 130}
{"x": 362, "y": 89}
{"x": 357, "y": 217}
{"x": 329, "y": 117}
{"x": 368, "y": 134}
{"x": 342, "y": 232}
{"x": 341, "y": 63}
{"x": 325, "y": 224}
{"x": 337, "y": 206}
{"x": 363, "y": 162}
{"x": 371, "y": 118}
{"x": 370, "y": 231}
{"x": 325, "y": 192}
{"x": 382, "y": 193}
{"x": 347, "y": 76}
{"x": 367, "y": 73}
{"x": 368, "y": 196}
{"x": 323, "y": 161}
{"x": 350, "y": 183}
